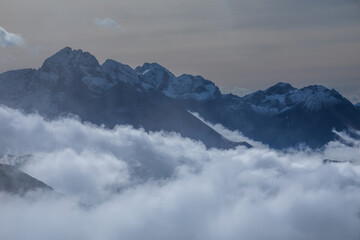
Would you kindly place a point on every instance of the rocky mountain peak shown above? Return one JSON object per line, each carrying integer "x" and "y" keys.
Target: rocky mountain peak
{"x": 280, "y": 89}
{"x": 69, "y": 66}
{"x": 154, "y": 76}
{"x": 315, "y": 97}
{"x": 69, "y": 58}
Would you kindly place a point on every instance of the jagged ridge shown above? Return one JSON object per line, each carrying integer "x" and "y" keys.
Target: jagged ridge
{"x": 72, "y": 81}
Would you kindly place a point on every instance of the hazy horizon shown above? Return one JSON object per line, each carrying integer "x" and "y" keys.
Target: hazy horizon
{"x": 243, "y": 44}
{"x": 116, "y": 152}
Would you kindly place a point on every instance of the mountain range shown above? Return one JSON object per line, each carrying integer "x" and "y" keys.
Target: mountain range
{"x": 151, "y": 97}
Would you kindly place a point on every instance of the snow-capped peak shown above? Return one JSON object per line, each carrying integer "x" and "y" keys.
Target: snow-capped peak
{"x": 155, "y": 77}
{"x": 191, "y": 87}
{"x": 69, "y": 66}
{"x": 282, "y": 97}
{"x": 315, "y": 96}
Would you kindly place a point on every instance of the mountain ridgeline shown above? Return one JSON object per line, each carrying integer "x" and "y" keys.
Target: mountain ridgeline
{"x": 151, "y": 97}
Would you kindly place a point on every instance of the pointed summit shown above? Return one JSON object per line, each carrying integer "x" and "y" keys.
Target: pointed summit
{"x": 280, "y": 89}
{"x": 154, "y": 76}
{"x": 152, "y": 66}
{"x": 70, "y": 66}
{"x": 186, "y": 86}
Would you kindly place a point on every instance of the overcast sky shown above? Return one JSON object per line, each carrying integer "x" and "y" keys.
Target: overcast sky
{"x": 235, "y": 43}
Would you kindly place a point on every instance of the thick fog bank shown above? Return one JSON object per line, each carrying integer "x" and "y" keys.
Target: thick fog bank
{"x": 162, "y": 186}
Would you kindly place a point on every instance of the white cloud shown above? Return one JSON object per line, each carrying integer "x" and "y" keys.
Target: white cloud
{"x": 168, "y": 187}
{"x": 10, "y": 39}
{"x": 107, "y": 22}
{"x": 234, "y": 136}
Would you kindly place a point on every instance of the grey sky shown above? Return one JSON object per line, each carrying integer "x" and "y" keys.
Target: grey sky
{"x": 235, "y": 43}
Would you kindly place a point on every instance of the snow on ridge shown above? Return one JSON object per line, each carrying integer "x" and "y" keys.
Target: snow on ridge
{"x": 70, "y": 65}
{"x": 119, "y": 72}
{"x": 153, "y": 76}
{"x": 316, "y": 96}
{"x": 282, "y": 97}
{"x": 185, "y": 86}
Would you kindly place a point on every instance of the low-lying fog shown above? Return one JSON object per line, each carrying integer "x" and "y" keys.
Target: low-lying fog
{"x": 160, "y": 186}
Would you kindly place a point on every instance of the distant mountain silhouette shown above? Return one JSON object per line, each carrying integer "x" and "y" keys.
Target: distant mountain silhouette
{"x": 72, "y": 81}
{"x": 150, "y": 96}
{"x": 283, "y": 116}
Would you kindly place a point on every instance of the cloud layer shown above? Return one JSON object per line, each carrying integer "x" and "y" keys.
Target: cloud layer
{"x": 161, "y": 186}
{"x": 10, "y": 39}
{"x": 107, "y": 22}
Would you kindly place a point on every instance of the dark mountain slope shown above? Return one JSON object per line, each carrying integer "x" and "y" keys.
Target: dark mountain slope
{"x": 283, "y": 116}
{"x": 15, "y": 181}
{"x": 72, "y": 81}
